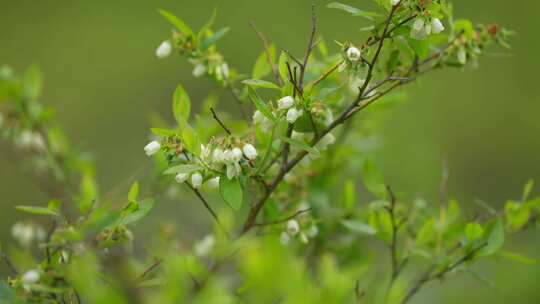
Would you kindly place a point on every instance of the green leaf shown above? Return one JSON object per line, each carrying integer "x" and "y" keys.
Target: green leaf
{"x": 186, "y": 169}
{"x": 302, "y": 145}
{"x": 163, "y": 132}
{"x": 36, "y": 210}
{"x": 494, "y": 234}
{"x": 464, "y": 26}
{"x": 517, "y": 257}
{"x": 352, "y": 10}
{"x": 181, "y": 104}
{"x": 260, "y": 104}
{"x": 262, "y": 68}
{"x": 474, "y": 231}
{"x": 190, "y": 138}
{"x": 204, "y": 29}
{"x": 359, "y": 227}
{"x": 209, "y": 41}
{"x": 133, "y": 192}
{"x": 373, "y": 179}
{"x": 527, "y": 190}
{"x": 32, "y": 83}
{"x": 231, "y": 191}
{"x": 282, "y": 66}
{"x": 349, "y": 194}
{"x": 420, "y": 47}
{"x": 143, "y": 208}
{"x": 177, "y": 22}
{"x": 426, "y": 233}
{"x": 257, "y": 83}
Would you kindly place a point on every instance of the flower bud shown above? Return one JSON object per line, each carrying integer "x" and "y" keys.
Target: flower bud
{"x": 436, "y": 26}
{"x": 285, "y": 102}
{"x": 418, "y": 24}
{"x": 213, "y": 183}
{"x": 353, "y": 54}
{"x": 218, "y": 155}
{"x": 204, "y": 247}
{"x": 164, "y": 49}
{"x": 284, "y": 238}
{"x": 236, "y": 154}
{"x": 181, "y": 177}
{"x": 30, "y": 277}
{"x": 196, "y": 180}
{"x": 249, "y": 151}
{"x": 394, "y": 2}
{"x": 198, "y": 70}
{"x": 293, "y": 227}
{"x": 293, "y": 114}
{"x": 152, "y": 148}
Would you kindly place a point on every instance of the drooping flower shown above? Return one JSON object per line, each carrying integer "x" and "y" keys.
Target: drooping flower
{"x": 436, "y": 26}
{"x": 249, "y": 151}
{"x": 285, "y": 102}
{"x": 218, "y": 155}
{"x": 353, "y": 54}
{"x": 152, "y": 148}
{"x": 199, "y": 70}
{"x": 181, "y": 177}
{"x": 164, "y": 49}
{"x": 213, "y": 183}
{"x": 293, "y": 227}
{"x": 204, "y": 246}
{"x": 284, "y": 238}
{"x": 394, "y": 2}
{"x": 196, "y": 180}
{"x": 293, "y": 114}
{"x": 261, "y": 120}
{"x": 30, "y": 277}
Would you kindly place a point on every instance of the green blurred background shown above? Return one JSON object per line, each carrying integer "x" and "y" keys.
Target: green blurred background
{"x": 103, "y": 79}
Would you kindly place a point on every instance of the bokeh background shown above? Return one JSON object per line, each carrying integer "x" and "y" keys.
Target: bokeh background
{"x": 103, "y": 79}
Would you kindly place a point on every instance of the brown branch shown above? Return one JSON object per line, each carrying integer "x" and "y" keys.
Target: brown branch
{"x": 219, "y": 121}
{"x": 311, "y": 45}
{"x": 207, "y": 206}
{"x": 150, "y": 268}
{"x": 268, "y": 54}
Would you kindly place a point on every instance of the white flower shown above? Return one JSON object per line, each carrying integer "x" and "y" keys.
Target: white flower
{"x": 196, "y": 180}
{"x": 249, "y": 151}
{"x": 23, "y": 233}
{"x": 233, "y": 169}
{"x": 436, "y": 26}
{"x": 313, "y": 231}
{"x": 225, "y": 70}
{"x": 261, "y": 120}
{"x": 394, "y": 2}
{"x": 236, "y": 154}
{"x": 353, "y": 54}
{"x": 462, "y": 55}
{"x": 293, "y": 227}
{"x": 303, "y": 238}
{"x": 152, "y": 148}
{"x": 164, "y": 49}
{"x": 285, "y": 102}
{"x": 30, "y": 277}
{"x": 181, "y": 177}
{"x": 293, "y": 114}
{"x": 205, "y": 152}
{"x": 213, "y": 183}
{"x": 327, "y": 140}
{"x": 284, "y": 238}
{"x": 32, "y": 140}
{"x": 218, "y": 155}
{"x": 204, "y": 246}
{"x": 418, "y": 24}
{"x": 199, "y": 70}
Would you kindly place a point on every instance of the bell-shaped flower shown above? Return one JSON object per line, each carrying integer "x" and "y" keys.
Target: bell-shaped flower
{"x": 293, "y": 114}
{"x": 196, "y": 180}
{"x": 152, "y": 148}
{"x": 353, "y": 54}
{"x": 285, "y": 102}
{"x": 164, "y": 49}
{"x": 249, "y": 151}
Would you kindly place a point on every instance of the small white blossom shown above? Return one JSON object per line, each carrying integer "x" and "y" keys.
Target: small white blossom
{"x": 218, "y": 155}
{"x": 249, "y": 151}
{"x": 436, "y": 26}
{"x": 205, "y": 152}
{"x": 418, "y": 24}
{"x": 313, "y": 231}
{"x": 204, "y": 246}
{"x": 293, "y": 227}
{"x": 199, "y": 70}
{"x": 152, "y": 148}
{"x": 196, "y": 180}
{"x": 327, "y": 140}
{"x": 285, "y": 102}
{"x": 31, "y": 140}
{"x": 233, "y": 169}
{"x": 262, "y": 121}
{"x": 23, "y": 233}
{"x": 30, "y": 277}
{"x": 353, "y": 54}
{"x": 236, "y": 154}
{"x": 181, "y": 177}
{"x": 164, "y": 49}
{"x": 394, "y": 2}
{"x": 303, "y": 238}
{"x": 284, "y": 238}
{"x": 293, "y": 114}
{"x": 213, "y": 183}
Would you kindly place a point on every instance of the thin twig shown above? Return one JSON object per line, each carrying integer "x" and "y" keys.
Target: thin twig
{"x": 311, "y": 45}
{"x": 297, "y": 213}
{"x": 219, "y": 121}
{"x": 207, "y": 206}
{"x": 268, "y": 54}
{"x": 8, "y": 262}
{"x": 149, "y": 269}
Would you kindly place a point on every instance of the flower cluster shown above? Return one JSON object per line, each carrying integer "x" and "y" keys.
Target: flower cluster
{"x": 301, "y": 227}
{"x": 425, "y": 26}
{"x": 286, "y": 106}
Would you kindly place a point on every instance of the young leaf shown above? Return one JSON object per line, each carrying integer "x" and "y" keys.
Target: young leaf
{"x": 359, "y": 227}
{"x": 494, "y": 234}
{"x": 302, "y": 145}
{"x": 207, "y": 25}
{"x": 231, "y": 191}
{"x": 517, "y": 257}
{"x": 352, "y": 10}
{"x": 373, "y": 179}
{"x": 426, "y": 233}
{"x": 282, "y": 66}
{"x": 209, "y": 41}
{"x": 177, "y": 22}
{"x": 527, "y": 190}
{"x": 474, "y": 231}
{"x": 181, "y": 104}
{"x": 262, "y": 68}
{"x": 36, "y": 210}
{"x": 143, "y": 209}
{"x": 186, "y": 169}
{"x": 260, "y": 104}
{"x": 190, "y": 138}
{"x": 257, "y": 83}
{"x": 32, "y": 83}
{"x": 133, "y": 192}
